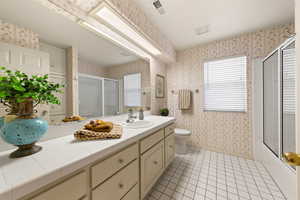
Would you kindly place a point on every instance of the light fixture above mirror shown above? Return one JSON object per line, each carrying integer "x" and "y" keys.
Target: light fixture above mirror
{"x": 103, "y": 31}
{"x": 106, "y": 15}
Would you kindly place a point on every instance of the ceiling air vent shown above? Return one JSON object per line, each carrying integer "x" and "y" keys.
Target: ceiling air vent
{"x": 157, "y": 5}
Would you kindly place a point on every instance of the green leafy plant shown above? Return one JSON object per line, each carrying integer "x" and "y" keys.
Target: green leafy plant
{"x": 164, "y": 112}
{"x": 17, "y": 87}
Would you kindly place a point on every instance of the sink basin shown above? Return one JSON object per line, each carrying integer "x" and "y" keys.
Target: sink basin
{"x": 138, "y": 124}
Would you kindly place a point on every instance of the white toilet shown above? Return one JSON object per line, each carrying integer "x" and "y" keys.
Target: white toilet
{"x": 181, "y": 139}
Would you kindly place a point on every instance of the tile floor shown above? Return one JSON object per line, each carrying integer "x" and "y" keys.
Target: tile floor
{"x": 206, "y": 175}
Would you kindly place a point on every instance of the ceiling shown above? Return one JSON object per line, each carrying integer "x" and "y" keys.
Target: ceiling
{"x": 60, "y": 31}
{"x": 225, "y": 18}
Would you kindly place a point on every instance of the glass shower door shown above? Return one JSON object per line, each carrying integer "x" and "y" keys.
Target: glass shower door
{"x": 288, "y": 98}
{"x": 279, "y": 95}
{"x": 271, "y": 103}
{"x": 90, "y": 97}
{"x": 111, "y": 97}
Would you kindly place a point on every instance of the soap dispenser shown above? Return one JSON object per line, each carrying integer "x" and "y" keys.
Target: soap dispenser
{"x": 141, "y": 114}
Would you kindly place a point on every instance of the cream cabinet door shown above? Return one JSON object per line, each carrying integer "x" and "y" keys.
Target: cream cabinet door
{"x": 72, "y": 189}
{"x": 133, "y": 194}
{"x": 27, "y": 60}
{"x": 119, "y": 184}
{"x": 152, "y": 166}
{"x": 169, "y": 149}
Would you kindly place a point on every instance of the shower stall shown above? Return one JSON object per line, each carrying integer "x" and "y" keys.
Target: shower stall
{"x": 274, "y": 105}
{"x": 279, "y": 99}
{"x": 98, "y": 96}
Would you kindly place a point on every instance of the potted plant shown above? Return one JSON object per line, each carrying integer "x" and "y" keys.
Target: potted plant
{"x": 164, "y": 112}
{"x": 21, "y": 93}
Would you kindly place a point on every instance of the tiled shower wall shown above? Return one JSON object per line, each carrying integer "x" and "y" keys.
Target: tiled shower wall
{"x": 13, "y": 34}
{"x": 226, "y": 132}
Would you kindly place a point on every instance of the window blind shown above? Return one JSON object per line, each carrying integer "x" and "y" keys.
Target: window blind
{"x": 132, "y": 90}
{"x": 225, "y": 85}
{"x": 289, "y": 80}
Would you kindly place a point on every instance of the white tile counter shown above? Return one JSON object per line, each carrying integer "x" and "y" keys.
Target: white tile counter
{"x": 62, "y": 156}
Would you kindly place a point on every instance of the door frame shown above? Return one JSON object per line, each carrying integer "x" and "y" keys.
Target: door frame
{"x": 297, "y": 30}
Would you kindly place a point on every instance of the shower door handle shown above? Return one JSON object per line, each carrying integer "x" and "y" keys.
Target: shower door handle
{"x": 292, "y": 159}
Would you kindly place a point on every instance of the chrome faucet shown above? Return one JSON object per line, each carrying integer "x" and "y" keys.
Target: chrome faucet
{"x": 131, "y": 117}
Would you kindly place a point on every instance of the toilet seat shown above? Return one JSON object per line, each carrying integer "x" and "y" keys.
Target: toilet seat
{"x": 182, "y": 132}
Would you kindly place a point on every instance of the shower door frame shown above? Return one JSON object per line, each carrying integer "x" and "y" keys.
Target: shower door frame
{"x": 102, "y": 85}
{"x": 280, "y": 103}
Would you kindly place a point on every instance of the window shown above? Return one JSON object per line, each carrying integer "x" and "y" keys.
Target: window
{"x": 132, "y": 90}
{"x": 225, "y": 85}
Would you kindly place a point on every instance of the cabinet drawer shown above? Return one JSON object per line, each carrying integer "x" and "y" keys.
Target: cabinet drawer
{"x": 111, "y": 165}
{"x": 151, "y": 140}
{"x": 169, "y": 149}
{"x": 119, "y": 184}
{"x": 169, "y": 129}
{"x": 71, "y": 189}
{"x": 133, "y": 194}
{"x": 152, "y": 165}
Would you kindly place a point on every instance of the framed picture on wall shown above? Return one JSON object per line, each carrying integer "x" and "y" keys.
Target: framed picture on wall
{"x": 160, "y": 86}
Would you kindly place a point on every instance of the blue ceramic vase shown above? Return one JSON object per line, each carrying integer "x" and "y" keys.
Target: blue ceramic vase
{"x": 23, "y": 132}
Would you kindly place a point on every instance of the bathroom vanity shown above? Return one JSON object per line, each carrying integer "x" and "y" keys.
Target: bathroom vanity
{"x": 125, "y": 168}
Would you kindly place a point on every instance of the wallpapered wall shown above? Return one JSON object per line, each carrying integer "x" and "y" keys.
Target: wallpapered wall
{"x": 86, "y": 67}
{"x": 219, "y": 131}
{"x": 157, "y": 67}
{"x": 139, "y": 66}
{"x": 14, "y": 34}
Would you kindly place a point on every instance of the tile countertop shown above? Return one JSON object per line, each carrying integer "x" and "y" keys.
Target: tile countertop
{"x": 62, "y": 156}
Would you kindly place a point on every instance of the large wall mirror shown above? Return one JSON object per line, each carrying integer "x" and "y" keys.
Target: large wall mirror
{"x": 110, "y": 80}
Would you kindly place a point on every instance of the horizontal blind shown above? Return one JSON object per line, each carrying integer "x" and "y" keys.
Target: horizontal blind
{"x": 289, "y": 80}
{"x": 132, "y": 90}
{"x": 225, "y": 85}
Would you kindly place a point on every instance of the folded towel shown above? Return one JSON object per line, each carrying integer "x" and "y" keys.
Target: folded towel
{"x": 85, "y": 134}
{"x": 184, "y": 99}
{"x": 99, "y": 126}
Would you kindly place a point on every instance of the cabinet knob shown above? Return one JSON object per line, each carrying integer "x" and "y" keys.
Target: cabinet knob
{"x": 121, "y": 185}
{"x": 121, "y": 160}
{"x": 171, "y": 146}
{"x": 155, "y": 162}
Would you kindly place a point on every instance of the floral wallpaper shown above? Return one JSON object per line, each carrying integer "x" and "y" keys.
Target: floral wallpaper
{"x": 13, "y": 34}
{"x": 157, "y": 68}
{"x": 219, "y": 131}
{"x": 86, "y": 67}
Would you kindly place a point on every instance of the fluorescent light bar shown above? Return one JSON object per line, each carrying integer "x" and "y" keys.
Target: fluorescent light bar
{"x": 110, "y": 17}
{"x": 116, "y": 38}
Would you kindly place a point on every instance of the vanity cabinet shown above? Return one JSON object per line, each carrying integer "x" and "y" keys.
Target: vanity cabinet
{"x": 103, "y": 170}
{"x": 169, "y": 149}
{"x": 72, "y": 189}
{"x": 127, "y": 174}
{"x": 151, "y": 140}
{"x": 133, "y": 194}
{"x": 152, "y": 166}
{"x": 169, "y": 130}
{"x": 118, "y": 185}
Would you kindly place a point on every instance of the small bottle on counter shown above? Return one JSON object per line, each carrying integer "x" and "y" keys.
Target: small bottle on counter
{"x": 141, "y": 114}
